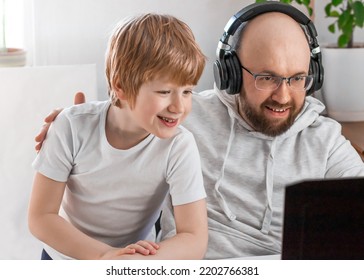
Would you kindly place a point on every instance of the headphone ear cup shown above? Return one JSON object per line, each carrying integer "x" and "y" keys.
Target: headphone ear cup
{"x": 319, "y": 72}
{"x": 220, "y": 74}
{"x": 316, "y": 70}
{"x": 234, "y": 73}
{"x": 313, "y": 72}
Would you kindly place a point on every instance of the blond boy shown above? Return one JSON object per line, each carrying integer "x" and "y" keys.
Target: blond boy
{"x": 106, "y": 167}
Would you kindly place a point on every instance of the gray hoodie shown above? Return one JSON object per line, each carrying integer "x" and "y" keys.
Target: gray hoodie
{"x": 246, "y": 172}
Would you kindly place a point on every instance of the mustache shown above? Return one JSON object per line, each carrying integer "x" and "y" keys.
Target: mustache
{"x": 272, "y": 103}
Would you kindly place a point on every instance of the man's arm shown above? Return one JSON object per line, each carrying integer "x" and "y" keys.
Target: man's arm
{"x": 78, "y": 99}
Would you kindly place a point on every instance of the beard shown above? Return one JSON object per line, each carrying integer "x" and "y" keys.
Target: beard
{"x": 267, "y": 126}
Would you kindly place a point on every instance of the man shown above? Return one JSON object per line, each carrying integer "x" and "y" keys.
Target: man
{"x": 266, "y": 136}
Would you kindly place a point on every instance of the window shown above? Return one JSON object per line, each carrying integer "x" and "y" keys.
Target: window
{"x": 12, "y": 14}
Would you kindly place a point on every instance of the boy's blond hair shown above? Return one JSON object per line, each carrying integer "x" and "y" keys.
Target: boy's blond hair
{"x": 149, "y": 46}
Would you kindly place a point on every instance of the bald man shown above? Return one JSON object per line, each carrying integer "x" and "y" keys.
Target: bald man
{"x": 256, "y": 142}
{"x": 266, "y": 136}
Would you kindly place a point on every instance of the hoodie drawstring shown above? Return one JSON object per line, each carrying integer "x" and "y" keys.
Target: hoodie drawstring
{"x": 231, "y": 216}
{"x": 269, "y": 187}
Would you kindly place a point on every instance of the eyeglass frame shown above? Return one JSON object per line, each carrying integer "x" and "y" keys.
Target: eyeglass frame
{"x": 288, "y": 79}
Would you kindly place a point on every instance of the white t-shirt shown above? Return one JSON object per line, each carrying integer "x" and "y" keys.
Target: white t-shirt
{"x": 115, "y": 195}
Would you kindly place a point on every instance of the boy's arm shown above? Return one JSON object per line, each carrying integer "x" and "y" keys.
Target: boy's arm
{"x": 190, "y": 241}
{"x": 52, "y": 229}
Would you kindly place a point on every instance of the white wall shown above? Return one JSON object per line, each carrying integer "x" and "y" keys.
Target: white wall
{"x": 76, "y": 31}
{"x": 22, "y": 91}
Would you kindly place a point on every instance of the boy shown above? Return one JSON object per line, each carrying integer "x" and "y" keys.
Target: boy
{"x": 106, "y": 167}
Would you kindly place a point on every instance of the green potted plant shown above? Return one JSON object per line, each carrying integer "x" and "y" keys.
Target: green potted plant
{"x": 9, "y": 57}
{"x": 343, "y": 61}
{"x": 348, "y": 15}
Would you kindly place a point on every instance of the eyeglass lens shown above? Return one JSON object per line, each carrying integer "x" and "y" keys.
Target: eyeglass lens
{"x": 268, "y": 82}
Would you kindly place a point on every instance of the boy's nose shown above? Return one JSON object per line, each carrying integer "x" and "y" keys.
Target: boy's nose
{"x": 177, "y": 104}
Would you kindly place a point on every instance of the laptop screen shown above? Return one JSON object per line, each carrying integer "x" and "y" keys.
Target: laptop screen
{"x": 324, "y": 219}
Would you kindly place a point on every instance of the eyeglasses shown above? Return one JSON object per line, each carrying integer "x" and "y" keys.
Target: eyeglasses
{"x": 270, "y": 82}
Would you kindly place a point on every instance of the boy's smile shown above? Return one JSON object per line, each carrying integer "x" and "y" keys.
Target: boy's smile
{"x": 159, "y": 109}
{"x": 168, "y": 122}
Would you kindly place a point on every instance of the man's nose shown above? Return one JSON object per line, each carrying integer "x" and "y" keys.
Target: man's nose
{"x": 282, "y": 94}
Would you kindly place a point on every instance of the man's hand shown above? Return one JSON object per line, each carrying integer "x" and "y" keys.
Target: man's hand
{"x": 78, "y": 99}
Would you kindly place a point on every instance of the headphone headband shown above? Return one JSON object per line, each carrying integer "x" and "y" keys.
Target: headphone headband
{"x": 256, "y": 9}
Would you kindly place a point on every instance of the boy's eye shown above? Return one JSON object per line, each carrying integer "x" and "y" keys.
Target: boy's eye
{"x": 187, "y": 92}
{"x": 163, "y": 91}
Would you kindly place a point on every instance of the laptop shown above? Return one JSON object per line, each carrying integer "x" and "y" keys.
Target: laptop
{"x": 324, "y": 219}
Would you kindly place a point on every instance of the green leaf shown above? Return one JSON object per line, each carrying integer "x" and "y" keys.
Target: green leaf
{"x": 332, "y": 28}
{"x": 328, "y": 9}
{"x": 358, "y": 8}
{"x": 336, "y": 2}
{"x": 344, "y": 19}
{"x": 334, "y": 14}
{"x": 343, "y": 40}
{"x": 348, "y": 27}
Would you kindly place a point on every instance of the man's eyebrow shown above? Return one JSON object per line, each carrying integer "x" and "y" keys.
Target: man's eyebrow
{"x": 273, "y": 73}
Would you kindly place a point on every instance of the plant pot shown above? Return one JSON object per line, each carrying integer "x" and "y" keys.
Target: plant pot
{"x": 343, "y": 90}
{"x": 12, "y": 57}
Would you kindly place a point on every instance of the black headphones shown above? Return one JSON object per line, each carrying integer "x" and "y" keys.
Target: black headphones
{"x": 227, "y": 67}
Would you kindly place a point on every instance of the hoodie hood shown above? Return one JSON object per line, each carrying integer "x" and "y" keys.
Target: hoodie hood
{"x": 310, "y": 112}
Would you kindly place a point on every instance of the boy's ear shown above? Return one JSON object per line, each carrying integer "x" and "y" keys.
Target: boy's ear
{"x": 119, "y": 92}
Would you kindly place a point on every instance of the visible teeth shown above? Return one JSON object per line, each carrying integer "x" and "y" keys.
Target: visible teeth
{"x": 167, "y": 120}
{"x": 278, "y": 110}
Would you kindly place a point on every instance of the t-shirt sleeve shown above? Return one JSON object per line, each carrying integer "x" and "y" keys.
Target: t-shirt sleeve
{"x": 55, "y": 159}
{"x": 184, "y": 174}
